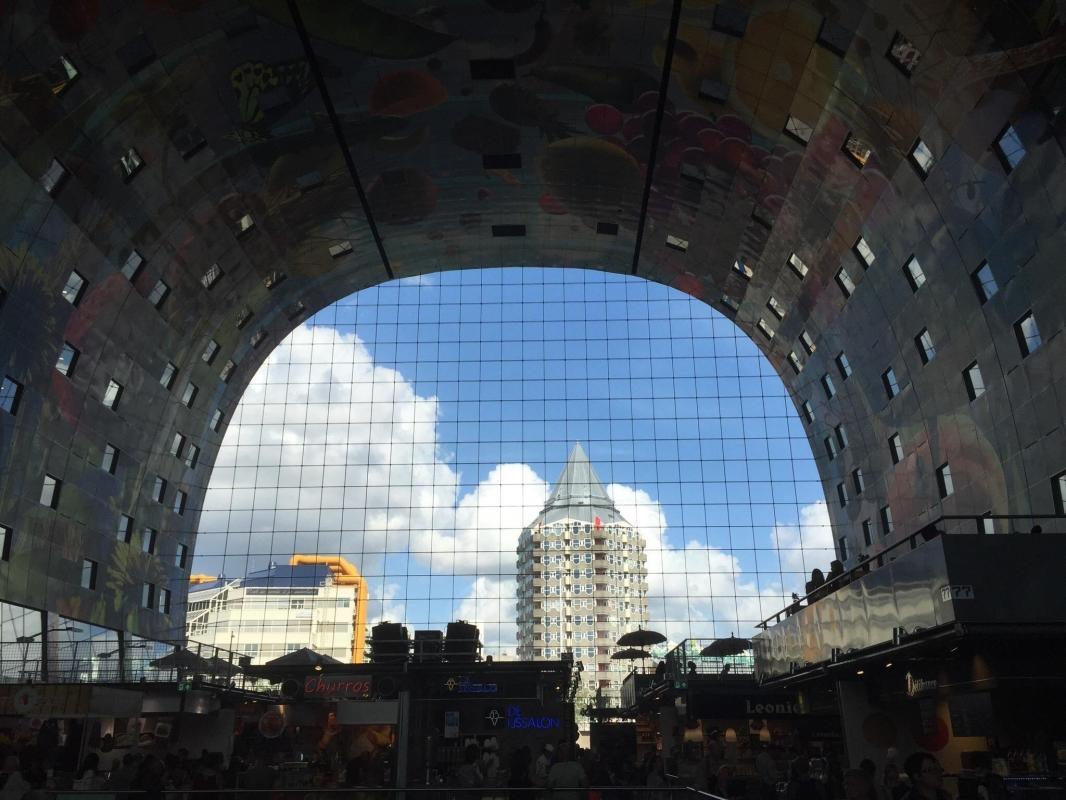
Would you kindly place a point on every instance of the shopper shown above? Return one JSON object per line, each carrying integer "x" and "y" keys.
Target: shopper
{"x": 567, "y": 778}
{"x": 801, "y": 786}
{"x": 894, "y": 785}
{"x": 858, "y": 786}
{"x": 870, "y": 768}
{"x": 469, "y": 775}
{"x": 926, "y": 777}
{"x": 543, "y": 765}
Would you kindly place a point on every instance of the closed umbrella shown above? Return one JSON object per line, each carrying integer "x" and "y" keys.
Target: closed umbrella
{"x": 720, "y": 648}
{"x": 640, "y": 638}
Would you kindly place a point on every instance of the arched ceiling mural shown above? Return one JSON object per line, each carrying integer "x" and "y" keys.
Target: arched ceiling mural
{"x": 217, "y": 171}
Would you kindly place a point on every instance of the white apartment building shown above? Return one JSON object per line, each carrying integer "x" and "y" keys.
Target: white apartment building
{"x": 318, "y": 602}
{"x": 582, "y": 580}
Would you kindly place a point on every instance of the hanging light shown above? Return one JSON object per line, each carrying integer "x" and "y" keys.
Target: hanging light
{"x": 764, "y": 735}
{"x": 730, "y": 736}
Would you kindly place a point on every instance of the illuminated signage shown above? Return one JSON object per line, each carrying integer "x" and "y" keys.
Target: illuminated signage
{"x": 463, "y": 685}
{"x": 345, "y": 686}
{"x": 785, "y": 708}
{"x": 919, "y": 686}
{"x": 516, "y": 720}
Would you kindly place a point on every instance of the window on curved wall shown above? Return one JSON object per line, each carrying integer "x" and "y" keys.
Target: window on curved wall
{"x": 418, "y": 429}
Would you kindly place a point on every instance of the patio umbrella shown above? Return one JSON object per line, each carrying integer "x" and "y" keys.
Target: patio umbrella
{"x": 185, "y": 660}
{"x": 720, "y": 648}
{"x": 630, "y": 653}
{"x": 640, "y": 638}
{"x": 220, "y": 666}
{"x": 304, "y": 657}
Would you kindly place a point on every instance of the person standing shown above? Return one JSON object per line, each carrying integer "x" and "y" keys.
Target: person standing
{"x": 567, "y": 778}
{"x": 543, "y": 765}
{"x": 926, "y": 776}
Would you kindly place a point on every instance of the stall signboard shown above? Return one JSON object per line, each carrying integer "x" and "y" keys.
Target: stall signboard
{"x": 740, "y": 706}
{"x": 332, "y": 687}
{"x": 462, "y": 684}
{"x": 515, "y": 718}
{"x": 55, "y": 700}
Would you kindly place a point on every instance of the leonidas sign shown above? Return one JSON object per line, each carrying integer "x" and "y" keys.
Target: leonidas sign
{"x": 337, "y": 686}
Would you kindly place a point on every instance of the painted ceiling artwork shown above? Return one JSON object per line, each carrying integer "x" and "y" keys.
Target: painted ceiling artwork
{"x": 217, "y": 171}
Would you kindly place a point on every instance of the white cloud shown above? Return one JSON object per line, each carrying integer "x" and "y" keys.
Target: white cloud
{"x": 332, "y": 453}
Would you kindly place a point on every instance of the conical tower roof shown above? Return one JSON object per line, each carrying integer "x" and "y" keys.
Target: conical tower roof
{"x": 579, "y": 494}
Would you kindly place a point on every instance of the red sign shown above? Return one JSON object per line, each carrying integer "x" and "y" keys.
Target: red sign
{"x": 337, "y": 686}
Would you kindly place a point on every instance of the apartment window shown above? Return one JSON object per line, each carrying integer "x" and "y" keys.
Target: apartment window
{"x": 843, "y": 365}
{"x": 807, "y": 342}
{"x": 177, "y": 444}
{"x": 61, "y": 75}
{"x": 211, "y": 277}
{"x": 675, "y": 243}
{"x": 10, "y": 394}
{"x": 830, "y": 447}
{"x": 842, "y": 436}
{"x": 743, "y": 269}
{"x": 216, "y": 419}
{"x": 131, "y": 163}
{"x": 764, "y": 329}
{"x": 798, "y": 130}
{"x": 867, "y": 533}
{"x": 125, "y": 528}
{"x": 159, "y": 489}
{"x": 895, "y": 448}
{"x": 170, "y": 371}
{"x": 842, "y": 494}
{"x": 158, "y": 294}
{"x": 984, "y": 282}
{"x": 50, "y": 491}
{"x": 245, "y": 224}
{"x": 132, "y": 265}
{"x": 148, "y": 595}
{"x": 1058, "y": 491}
{"x": 73, "y": 288}
{"x": 164, "y": 601}
{"x": 794, "y": 362}
{"x": 148, "y": 539}
{"x": 243, "y": 316}
{"x": 943, "y": 481}
{"x": 846, "y": 284}
{"x": 180, "y": 499}
{"x": 857, "y": 150}
{"x": 295, "y": 310}
{"x": 924, "y": 342}
{"x": 921, "y": 158}
{"x": 109, "y": 462}
{"x": 864, "y": 253}
{"x": 227, "y": 371}
{"x": 258, "y": 338}
{"x": 53, "y": 177}
{"x": 210, "y": 351}
{"x": 904, "y": 54}
{"x": 340, "y": 249}
{"x": 192, "y": 456}
{"x": 775, "y": 306}
{"x": 112, "y": 394}
{"x": 975, "y": 382}
{"x": 88, "y": 574}
{"x": 181, "y": 556}
{"x": 988, "y": 525}
{"x": 808, "y": 412}
{"x": 189, "y": 395}
{"x": 1009, "y": 148}
{"x": 68, "y": 357}
{"x": 915, "y": 277}
{"x": 886, "y": 520}
{"x": 827, "y": 385}
{"x": 842, "y": 547}
{"x": 888, "y": 380}
{"x": 798, "y": 266}
{"x": 1027, "y": 333}
{"x": 6, "y": 535}
{"x": 858, "y": 481}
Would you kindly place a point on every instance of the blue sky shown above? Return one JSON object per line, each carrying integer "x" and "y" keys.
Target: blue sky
{"x": 464, "y": 392}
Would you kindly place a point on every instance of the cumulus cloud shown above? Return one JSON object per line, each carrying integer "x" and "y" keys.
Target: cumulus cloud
{"x": 330, "y": 452}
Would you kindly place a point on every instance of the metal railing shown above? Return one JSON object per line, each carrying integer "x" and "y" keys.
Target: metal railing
{"x": 114, "y": 659}
{"x": 946, "y": 525}
{"x": 685, "y": 662}
{"x": 667, "y": 792}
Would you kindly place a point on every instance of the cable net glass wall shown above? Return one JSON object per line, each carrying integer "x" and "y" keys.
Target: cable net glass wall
{"x": 388, "y": 459}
